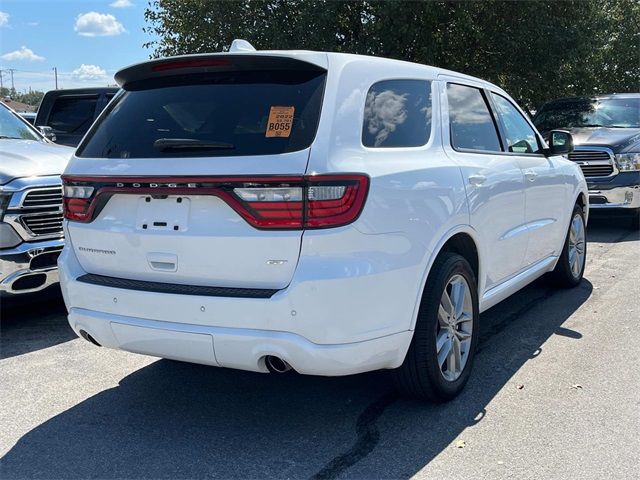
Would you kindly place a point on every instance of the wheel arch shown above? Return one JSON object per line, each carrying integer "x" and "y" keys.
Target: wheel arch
{"x": 464, "y": 241}
{"x": 583, "y": 200}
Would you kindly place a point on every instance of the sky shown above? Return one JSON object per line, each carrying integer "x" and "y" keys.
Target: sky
{"x": 86, "y": 40}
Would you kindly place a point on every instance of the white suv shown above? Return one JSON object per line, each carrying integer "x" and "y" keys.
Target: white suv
{"x": 321, "y": 212}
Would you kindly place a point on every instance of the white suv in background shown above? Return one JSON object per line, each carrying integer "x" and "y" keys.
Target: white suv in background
{"x": 321, "y": 212}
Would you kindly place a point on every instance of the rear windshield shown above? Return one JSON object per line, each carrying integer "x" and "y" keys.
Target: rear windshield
{"x": 226, "y": 114}
{"x": 71, "y": 114}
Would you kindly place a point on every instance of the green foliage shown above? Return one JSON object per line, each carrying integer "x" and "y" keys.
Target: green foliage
{"x": 32, "y": 97}
{"x": 537, "y": 50}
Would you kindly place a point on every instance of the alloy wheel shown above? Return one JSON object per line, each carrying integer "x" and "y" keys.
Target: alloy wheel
{"x": 455, "y": 327}
{"x": 576, "y": 245}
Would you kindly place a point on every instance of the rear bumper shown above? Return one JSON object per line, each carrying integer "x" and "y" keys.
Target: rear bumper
{"x": 239, "y": 348}
{"x": 29, "y": 267}
{"x": 338, "y": 316}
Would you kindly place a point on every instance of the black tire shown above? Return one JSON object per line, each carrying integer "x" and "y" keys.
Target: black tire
{"x": 635, "y": 220}
{"x": 420, "y": 375}
{"x": 562, "y": 274}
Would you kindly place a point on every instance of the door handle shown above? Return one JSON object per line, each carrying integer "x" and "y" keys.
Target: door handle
{"x": 531, "y": 175}
{"x": 477, "y": 180}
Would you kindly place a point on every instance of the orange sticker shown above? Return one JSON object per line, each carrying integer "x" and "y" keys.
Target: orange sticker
{"x": 280, "y": 122}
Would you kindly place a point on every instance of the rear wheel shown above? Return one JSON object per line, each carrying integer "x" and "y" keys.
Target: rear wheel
{"x": 438, "y": 363}
{"x": 570, "y": 267}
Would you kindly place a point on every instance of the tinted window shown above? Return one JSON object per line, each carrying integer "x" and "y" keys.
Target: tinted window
{"x": 72, "y": 114}
{"x": 470, "y": 121}
{"x": 612, "y": 112}
{"x": 230, "y": 114}
{"x": 397, "y": 113}
{"x": 12, "y": 127}
{"x": 521, "y": 138}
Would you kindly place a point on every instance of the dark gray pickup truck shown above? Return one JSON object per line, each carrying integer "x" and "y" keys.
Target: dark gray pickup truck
{"x": 606, "y": 134}
{"x": 70, "y": 113}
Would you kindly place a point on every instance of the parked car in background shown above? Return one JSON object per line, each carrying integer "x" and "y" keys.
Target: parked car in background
{"x": 31, "y": 235}
{"x": 28, "y": 116}
{"x": 606, "y": 132}
{"x": 321, "y": 212}
{"x": 70, "y": 113}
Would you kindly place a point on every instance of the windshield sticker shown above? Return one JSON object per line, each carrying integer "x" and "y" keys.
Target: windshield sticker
{"x": 280, "y": 122}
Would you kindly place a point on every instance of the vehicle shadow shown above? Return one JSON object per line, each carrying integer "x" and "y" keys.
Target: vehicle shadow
{"x": 174, "y": 420}
{"x": 32, "y": 322}
{"x": 610, "y": 230}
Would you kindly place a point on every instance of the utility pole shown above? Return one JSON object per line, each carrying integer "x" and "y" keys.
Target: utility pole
{"x": 55, "y": 73}
{"x": 13, "y": 89}
{"x": 1, "y": 83}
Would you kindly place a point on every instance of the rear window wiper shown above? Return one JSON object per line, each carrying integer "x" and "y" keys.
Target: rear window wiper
{"x": 164, "y": 144}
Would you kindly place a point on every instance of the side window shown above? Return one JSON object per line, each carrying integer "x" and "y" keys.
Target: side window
{"x": 471, "y": 125}
{"x": 72, "y": 114}
{"x": 521, "y": 138}
{"x": 397, "y": 113}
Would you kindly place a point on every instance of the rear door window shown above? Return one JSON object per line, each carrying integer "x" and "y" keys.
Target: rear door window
{"x": 397, "y": 113}
{"x": 472, "y": 126}
{"x": 73, "y": 114}
{"x": 223, "y": 113}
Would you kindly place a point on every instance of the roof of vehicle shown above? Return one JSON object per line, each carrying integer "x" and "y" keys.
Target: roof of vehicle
{"x": 604, "y": 96}
{"x": 81, "y": 91}
{"x": 319, "y": 59}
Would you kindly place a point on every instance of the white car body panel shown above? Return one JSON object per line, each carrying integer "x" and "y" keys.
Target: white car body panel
{"x": 348, "y": 296}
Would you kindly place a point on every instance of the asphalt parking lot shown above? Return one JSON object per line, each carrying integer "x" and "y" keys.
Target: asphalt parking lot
{"x": 555, "y": 393}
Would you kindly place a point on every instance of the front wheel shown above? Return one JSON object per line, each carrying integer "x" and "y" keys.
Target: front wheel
{"x": 570, "y": 267}
{"x": 438, "y": 363}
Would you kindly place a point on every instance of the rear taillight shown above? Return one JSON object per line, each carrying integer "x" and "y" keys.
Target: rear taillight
{"x": 77, "y": 202}
{"x": 317, "y": 201}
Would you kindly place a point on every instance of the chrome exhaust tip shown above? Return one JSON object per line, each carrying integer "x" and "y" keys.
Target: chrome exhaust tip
{"x": 277, "y": 365}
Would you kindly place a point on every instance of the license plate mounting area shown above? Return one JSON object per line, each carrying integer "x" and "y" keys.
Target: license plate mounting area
{"x": 164, "y": 213}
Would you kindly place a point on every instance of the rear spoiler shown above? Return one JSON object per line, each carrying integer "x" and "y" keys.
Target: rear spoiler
{"x": 219, "y": 62}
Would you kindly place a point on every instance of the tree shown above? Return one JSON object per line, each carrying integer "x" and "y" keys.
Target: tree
{"x": 535, "y": 49}
{"x": 32, "y": 97}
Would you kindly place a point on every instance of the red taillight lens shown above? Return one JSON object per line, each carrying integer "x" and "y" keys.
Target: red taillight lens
{"x": 76, "y": 209}
{"x": 77, "y": 202}
{"x": 318, "y": 201}
{"x": 334, "y": 200}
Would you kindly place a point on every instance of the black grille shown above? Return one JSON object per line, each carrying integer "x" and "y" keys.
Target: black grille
{"x": 176, "y": 288}
{"x": 43, "y": 197}
{"x": 43, "y": 224}
{"x": 45, "y": 260}
{"x": 596, "y": 170}
{"x": 601, "y": 164}
{"x": 589, "y": 155}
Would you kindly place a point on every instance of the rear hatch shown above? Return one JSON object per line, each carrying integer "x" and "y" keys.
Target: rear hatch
{"x": 193, "y": 174}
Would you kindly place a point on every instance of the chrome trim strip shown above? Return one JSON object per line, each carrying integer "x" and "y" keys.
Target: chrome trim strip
{"x": 15, "y": 263}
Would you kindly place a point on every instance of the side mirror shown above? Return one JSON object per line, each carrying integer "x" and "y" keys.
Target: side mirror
{"x": 560, "y": 142}
{"x": 48, "y": 133}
